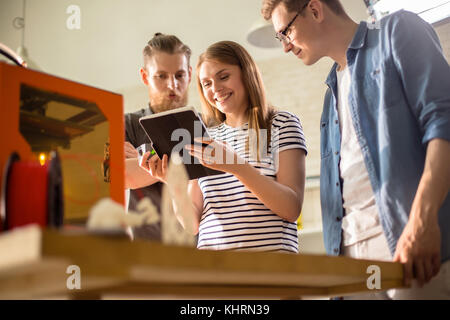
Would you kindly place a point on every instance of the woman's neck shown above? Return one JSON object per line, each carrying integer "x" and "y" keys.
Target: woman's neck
{"x": 236, "y": 120}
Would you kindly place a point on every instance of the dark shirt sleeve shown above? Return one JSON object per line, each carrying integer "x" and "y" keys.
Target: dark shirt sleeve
{"x": 134, "y": 133}
{"x": 130, "y": 134}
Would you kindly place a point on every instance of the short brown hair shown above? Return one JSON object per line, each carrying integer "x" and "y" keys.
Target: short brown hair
{"x": 296, "y": 5}
{"x": 165, "y": 43}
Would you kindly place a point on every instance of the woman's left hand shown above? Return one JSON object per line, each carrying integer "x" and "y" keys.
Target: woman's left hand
{"x": 217, "y": 155}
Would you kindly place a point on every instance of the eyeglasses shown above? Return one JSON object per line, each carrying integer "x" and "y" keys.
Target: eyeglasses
{"x": 282, "y": 35}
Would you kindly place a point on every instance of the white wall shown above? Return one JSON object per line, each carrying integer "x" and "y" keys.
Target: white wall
{"x": 106, "y": 51}
{"x": 443, "y": 32}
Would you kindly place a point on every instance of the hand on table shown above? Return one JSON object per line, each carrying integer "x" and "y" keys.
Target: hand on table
{"x": 418, "y": 248}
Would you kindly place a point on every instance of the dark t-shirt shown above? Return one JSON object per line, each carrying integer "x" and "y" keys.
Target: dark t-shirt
{"x": 136, "y": 136}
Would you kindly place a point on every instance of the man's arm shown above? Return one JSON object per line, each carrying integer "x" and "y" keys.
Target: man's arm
{"x": 420, "y": 243}
{"x": 135, "y": 176}
{"x": 424, "y": 71}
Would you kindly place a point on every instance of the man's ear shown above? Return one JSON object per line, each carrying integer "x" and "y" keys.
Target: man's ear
{"x": 190, "y": 74}
{"x": 144, "y": 76}
{"x": 317, "y": 8}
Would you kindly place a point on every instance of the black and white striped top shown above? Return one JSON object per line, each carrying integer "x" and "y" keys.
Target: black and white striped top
{"x": 233, "y": 218}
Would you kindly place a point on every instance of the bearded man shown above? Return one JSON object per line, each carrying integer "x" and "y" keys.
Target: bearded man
{"x": 167, "y": 74}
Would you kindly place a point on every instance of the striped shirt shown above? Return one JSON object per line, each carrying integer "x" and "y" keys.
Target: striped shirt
{"x": 232, "y": 217}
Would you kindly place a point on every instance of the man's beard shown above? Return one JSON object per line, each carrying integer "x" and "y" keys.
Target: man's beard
{"x": 160, "y": 102}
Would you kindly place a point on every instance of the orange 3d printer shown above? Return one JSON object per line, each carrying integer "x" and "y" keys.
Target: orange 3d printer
{"x": 52, "y": 148}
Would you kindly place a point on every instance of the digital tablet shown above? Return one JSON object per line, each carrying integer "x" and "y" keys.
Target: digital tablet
{"x": 171, "y": 130}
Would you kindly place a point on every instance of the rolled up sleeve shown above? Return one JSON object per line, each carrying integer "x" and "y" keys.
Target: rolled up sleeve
{"x": 425, "y": 74}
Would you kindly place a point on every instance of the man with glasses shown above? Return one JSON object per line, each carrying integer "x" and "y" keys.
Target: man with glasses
{"x": 385, "y": 138}
{"x": 283, "y": 36}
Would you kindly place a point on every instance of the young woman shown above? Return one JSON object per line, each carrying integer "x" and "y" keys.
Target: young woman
{"x": 255, "y": 203}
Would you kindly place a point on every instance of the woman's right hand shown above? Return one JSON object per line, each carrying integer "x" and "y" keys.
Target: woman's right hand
{"x": 156, "y": 167}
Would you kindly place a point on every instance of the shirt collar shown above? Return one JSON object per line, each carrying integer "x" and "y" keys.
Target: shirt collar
{"x": 360, "y": 36}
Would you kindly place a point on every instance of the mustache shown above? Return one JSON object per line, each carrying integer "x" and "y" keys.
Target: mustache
{"x": 162, "y": 102}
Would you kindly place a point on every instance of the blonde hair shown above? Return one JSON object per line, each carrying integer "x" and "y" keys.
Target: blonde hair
{"x": 259, "y": 112}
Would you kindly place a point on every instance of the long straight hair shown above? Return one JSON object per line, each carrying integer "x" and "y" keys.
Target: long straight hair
{"x": 259, "y": 111}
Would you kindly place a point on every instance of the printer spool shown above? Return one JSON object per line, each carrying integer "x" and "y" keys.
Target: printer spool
{"x": 32, "y": 193}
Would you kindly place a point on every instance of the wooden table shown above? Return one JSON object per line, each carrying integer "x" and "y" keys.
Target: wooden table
{"x": 37, "y": 261}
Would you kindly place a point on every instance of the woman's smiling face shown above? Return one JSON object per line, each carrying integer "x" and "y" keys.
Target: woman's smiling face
{"x": 223, "y": 87}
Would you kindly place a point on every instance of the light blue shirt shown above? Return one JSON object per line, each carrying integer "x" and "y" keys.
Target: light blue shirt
{"x": 399, "y": 101}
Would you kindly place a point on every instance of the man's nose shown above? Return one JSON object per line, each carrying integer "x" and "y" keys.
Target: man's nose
{"x": 287, "y": 47}
{"x": 172, "y": 83}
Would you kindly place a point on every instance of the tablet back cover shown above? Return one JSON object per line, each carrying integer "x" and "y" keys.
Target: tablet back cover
{"x": 172, "y": 130}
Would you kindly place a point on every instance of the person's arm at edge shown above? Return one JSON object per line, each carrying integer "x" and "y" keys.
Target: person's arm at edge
{"x": 418, "y": 57}
{"x": 423, "y": 256}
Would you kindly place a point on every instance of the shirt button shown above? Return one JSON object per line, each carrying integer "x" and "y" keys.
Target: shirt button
{"x": 336, "y": 153}
{"x": 337, "y": 184}
{"x": 336, "y": 250}
{"x": 338, "y": 219}
{"x": 335, "y": 121}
